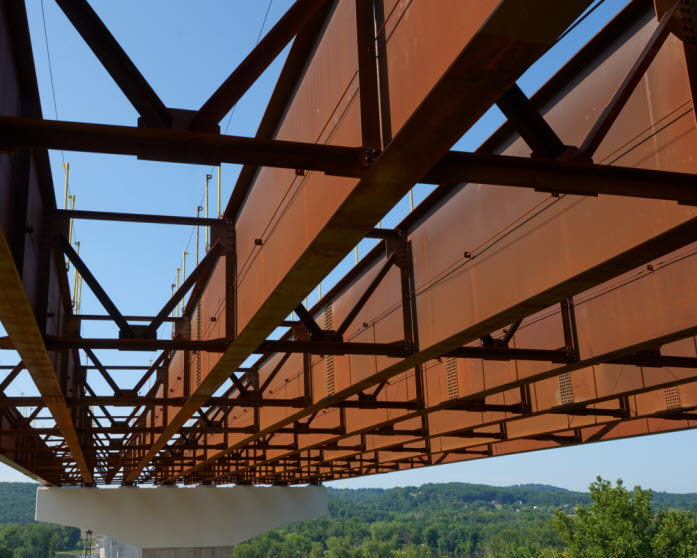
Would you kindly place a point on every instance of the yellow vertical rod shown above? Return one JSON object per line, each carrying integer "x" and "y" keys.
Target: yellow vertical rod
{"x": 186, "y": 253}
{"x": 70, "y": 228}
{"x": 66, "y": 166}
{"x": 198, "y": 214}
{"x": 355, "y": 250}
{"x": 179, "y": 269}
{"x": 75, "y": 280}
{"x": 220, "y": 213}
{"x": 174, "y": 311}
{"x": 208, "y": 177}
{"x": 79, "y": 294}
{"x": 66, "y": 191}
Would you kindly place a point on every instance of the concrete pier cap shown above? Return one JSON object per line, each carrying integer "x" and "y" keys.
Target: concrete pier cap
{"x": 176, "y": 517}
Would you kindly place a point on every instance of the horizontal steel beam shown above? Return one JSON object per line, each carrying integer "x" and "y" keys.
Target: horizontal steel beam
{"x": 66, "y": 343}
{"x": 657, "y": 361}
{"x": 104, "y": 318}
{"x": 564, "y": 177}
{"x": 397, "y": 349}
{"x": 179, "y": 146}
{"x": 505, "y": 353}
{"x": 129, "y": 400}
{"x": 584, "y": 411}
{"x": 136, "y": 218}
{"x": 123, "y": 429}
{"x": 383, "y": 234}
{"x": 547, "y": 175}
{"x": 477, "y": 406}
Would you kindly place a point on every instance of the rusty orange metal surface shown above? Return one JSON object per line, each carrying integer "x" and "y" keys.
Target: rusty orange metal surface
{"x": 518, "y": 243}
{"x": 594, "y": 291}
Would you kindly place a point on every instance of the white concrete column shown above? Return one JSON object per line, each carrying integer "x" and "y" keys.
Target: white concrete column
{"x": 193, "y": 520}
{"x": 225, "y": 552}
{"x": 116, "y": 549}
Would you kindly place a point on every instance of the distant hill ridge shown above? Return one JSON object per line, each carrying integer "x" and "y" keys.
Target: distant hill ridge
{"x": 17, "y": 499}
{"x": 542, "y": 487}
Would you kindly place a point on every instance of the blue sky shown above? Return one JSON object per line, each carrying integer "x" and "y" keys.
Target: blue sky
{"x": 186, "y": 49}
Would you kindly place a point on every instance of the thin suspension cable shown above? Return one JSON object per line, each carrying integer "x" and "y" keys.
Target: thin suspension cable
{"x": 50, "y": 69}
{"x": 232, "y": 112}
{"x": 261, "y": 30}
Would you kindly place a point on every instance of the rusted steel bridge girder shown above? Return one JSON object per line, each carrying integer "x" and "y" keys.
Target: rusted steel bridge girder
{"x": 368, "y": 380}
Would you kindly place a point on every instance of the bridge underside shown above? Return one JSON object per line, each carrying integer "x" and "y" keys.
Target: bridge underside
{"x": 542, "y": 295}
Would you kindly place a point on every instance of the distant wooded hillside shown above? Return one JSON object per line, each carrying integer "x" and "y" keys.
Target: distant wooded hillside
{"x": 17, "y": 499}
{"x": 436, "y": 520}
{"x": 17, "y": 502}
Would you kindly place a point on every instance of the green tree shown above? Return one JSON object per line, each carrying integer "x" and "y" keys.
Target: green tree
{"x": 620, "y": 523}
{"x": 617, "y": 524}
{"x": 676, "y": 534}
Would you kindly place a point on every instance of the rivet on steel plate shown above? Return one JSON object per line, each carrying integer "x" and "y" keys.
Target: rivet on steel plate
{"x": 370, "y": 155}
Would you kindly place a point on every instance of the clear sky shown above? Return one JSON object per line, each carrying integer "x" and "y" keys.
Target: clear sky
{"x": 186, "y": 49}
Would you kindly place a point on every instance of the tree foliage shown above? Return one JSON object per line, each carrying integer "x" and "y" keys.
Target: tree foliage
{"x": 620, "y": 523}
{"x": 36, "y": 540}
{"x": 476, "y": 521}
{"x": 17, "y": 502}
{"x": 20, "y": 537}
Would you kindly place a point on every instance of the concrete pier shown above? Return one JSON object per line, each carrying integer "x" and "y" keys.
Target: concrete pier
{"x": 117, "y": 549}
{"x": 201, "y": 522}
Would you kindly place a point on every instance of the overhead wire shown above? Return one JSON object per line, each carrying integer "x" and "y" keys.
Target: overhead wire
{"x": 55, "y": 102}
{"x": 261, "y": 30}
{"x": 232, "y": 112}
{"x": 50, "y": 69}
